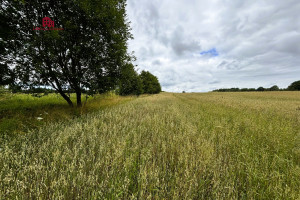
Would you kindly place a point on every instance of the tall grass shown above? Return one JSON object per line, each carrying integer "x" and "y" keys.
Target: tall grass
{"x": 166, "y": 146}
{"x": 21, "y": 112}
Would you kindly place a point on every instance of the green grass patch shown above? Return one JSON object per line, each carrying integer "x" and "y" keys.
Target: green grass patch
{"x": 22, "y": 112}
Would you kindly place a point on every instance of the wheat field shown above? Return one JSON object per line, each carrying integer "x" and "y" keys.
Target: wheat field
{"x": 165, "y": 146}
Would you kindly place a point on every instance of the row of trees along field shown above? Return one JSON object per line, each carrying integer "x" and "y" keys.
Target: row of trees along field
{"x": 295, "y": 86}
{"x": 88, "y": 56}
{"x": 133, "y": 83}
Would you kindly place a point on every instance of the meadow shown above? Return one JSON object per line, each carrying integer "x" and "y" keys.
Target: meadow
{"x": 165, "y": 146}
{"x": 22, "y": 112}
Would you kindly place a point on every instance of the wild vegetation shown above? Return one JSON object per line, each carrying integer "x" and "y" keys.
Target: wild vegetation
{"x": 165, "y": 146}
{"x": 22, "y": 112}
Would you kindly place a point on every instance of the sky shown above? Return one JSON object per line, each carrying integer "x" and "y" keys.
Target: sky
{"x": 201, "y": 45}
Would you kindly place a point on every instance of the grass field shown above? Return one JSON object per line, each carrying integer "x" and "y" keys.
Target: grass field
{"x": 22, "y": 112}
{"x": 166, "y": 146}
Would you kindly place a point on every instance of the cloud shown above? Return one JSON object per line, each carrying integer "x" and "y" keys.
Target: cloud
{"x": 180, "y": 44}
{"x": 203, "y": 45}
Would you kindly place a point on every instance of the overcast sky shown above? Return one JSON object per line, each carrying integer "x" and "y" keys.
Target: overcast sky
{"x": 201, "y": 45}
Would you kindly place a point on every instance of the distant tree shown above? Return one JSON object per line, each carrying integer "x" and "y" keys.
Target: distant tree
{"x": 294, "y": 86}
{"x": 274, "y": 88}
{"x": 183, "y": 91}
{"x": 85, "y": 56}
{"x": 234, "y": 89}
{"x": 260, "y": 89}
{"x": 130, "y": 81}
{"x": 150, "y": 82}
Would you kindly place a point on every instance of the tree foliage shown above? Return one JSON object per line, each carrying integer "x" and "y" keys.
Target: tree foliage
{"x": 130, "y": 81}
{"x": 6, "y": 77}
{"x": 260, "y": 89}
{"x": 294, "y": 86}
{"x": 85, "y": 56}
{"x": 274, "y": 88}
{"x": 133, "y": 84}
{"x": 150, "y": 82}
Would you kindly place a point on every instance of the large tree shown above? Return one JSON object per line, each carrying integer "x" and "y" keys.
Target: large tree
{"x": 150, "y": 82}
{"x": 85, "y": 56}
{"x": 5, "y": 75}
{"x": 5, "y": 34}
{"x": 294, "y": 86}
{"x": 130, "y": 82}
{"x": 274, "y": 88}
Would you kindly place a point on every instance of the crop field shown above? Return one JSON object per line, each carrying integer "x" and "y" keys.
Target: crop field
{"x": 165, "y": 146}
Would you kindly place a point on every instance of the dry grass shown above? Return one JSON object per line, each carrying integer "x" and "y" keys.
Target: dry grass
{"x": 166, "y": 146}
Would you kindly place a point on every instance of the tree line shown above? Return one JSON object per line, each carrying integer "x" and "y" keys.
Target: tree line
{"x": 133, "y": 83}
{"x": 90, "y": 55}
{"x": 295, "y": 86}
{"x": 130, "y": 83}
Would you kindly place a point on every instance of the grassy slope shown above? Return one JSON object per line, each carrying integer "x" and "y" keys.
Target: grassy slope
{"x": 167, "y": 146}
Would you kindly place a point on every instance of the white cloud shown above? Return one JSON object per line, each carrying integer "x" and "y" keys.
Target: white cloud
{"x": 257, "y": 41}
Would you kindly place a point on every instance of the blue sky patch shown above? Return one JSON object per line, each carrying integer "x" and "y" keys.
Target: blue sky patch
{"x": 212, "y": 52}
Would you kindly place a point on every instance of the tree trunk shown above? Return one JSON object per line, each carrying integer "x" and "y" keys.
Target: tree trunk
{"x": 66, "y": 98}
{"x": 78, "y": 97}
